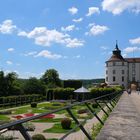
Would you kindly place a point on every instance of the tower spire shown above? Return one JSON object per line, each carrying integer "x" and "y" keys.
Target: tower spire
{"x": 116, "y": 45}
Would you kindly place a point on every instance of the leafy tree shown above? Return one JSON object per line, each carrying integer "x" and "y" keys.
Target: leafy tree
{"x": 12, "y": 87}
{"x": 51, "y": 78}
{"x": 2, "y": 83}
{"x": 34, "y": 86}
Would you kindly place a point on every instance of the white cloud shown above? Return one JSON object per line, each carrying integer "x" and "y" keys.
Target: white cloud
{"x": 73, "y": 10}
{"x": 48, "y": 54}
{"x": 68, "y": 28}
{"x": 135, "y": 41}
{"x": 97, "y": 29}
{"x": 131, "y": 49}
{"x": 77, "y": 20}
{"x": 104, "y": 48}
{"x": 45, "y": 37}
{"x": 9, "y": 62}
{"x": 93, "y": 10}
{"x": 11, "y": 49}
{"x": 30, "y": 53}
{"x": 7, "y": 27}
{"x": 73, "y": 43}
{"x": 118, "y": 6}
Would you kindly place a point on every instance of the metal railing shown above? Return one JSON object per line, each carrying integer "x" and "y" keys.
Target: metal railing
{"x": 108, "y": 100}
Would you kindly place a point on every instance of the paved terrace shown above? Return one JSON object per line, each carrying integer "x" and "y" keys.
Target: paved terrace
{"x": 124, "y": 121}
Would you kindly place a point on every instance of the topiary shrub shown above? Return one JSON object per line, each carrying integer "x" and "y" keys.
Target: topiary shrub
{"x": 66, "y": 123}
{"x": 33, "y": 104}
{"x": 38, "y": 137}
{"x": 81, "y": 111}
{"x": 94, "y": 105}
{"x": 7, "y": 112}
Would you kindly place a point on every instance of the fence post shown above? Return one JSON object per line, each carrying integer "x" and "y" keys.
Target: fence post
{"x": 94, "y": 113}
{"x": 101, "y": 108}
{"x": 77, "y": 122}
{"x": 23, "y": 131}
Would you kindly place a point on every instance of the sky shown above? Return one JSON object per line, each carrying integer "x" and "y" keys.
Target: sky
{"x": 75, "y": 37}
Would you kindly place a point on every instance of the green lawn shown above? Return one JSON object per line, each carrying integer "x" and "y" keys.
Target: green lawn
{"x": 4, "y": 117}
{"x": 57, "y": 128}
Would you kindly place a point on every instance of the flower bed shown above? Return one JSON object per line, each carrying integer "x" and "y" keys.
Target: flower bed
{"x": 48, "y": 116}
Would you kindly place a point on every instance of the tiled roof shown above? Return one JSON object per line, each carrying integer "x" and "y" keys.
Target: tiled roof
{"x": 116, "y": 58}
{"x": 133, "y": 60}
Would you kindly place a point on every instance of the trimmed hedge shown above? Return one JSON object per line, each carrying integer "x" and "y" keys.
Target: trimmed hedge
{"x": 63, "y": 93}
{"x": 68, "y": 93}
{"x": 19, "y": 100}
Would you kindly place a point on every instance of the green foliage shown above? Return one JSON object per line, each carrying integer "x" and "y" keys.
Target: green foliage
{"x": 81, "y": 111}
{"x": 34, "y": 86}
{"x": 34, "y": 105}
{"x": 51, "y": 78}
{"x": 63, "y": 93}
{"x": 94, "y": 105}
{"x": 8, "y": 84}
{"x": 38, "y": 137}
{"x": 66, "y": 123}
{"x": 6, "y": 137}
{"x": 72, "y": 84}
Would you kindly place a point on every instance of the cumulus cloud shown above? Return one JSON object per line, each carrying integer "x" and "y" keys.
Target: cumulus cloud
{"x": 9, "y": 62}
{"x": 68, "y": 28}
{"x": 131, "y": 49}
{"x": 135, "y": 41}
{"x": 11, "y": 49}
{"x": 48, "y": 54}
{"x": 7, "y": 27}
{"x": 73, "y": 10}
{"x": 97, "y": 29}
{"x": 93, "y": 10}
{"x": 46, "y": 37}
{"x": 77, "y": 20}
{"x": 118, "y": 6}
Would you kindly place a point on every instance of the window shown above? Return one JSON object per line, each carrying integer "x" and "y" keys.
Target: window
{"x": 114, "y": 63}
{"x": 106, "y": 72}
{"x": 114, "y": 72}
{"x": 106, "y": 78}
{"x": 114, "y": 79}
{"x": 122, "y": 63}
{"x": 122, "y": 78}
{"x": 122, "y": 71}
{"x": 107, "y": 64}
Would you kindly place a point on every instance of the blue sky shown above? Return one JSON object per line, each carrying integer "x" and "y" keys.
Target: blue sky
{"x": 72, "y": 36}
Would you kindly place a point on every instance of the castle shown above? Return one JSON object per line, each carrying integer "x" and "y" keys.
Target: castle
{"x": 122, "y": 71}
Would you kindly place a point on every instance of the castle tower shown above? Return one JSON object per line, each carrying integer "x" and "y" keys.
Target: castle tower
{"x": 117, "y": 69}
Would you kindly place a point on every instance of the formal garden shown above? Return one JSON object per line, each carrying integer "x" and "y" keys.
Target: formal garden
{"x": 28, "y": 98}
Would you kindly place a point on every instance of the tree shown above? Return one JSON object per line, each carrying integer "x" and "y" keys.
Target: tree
{"x": 51, "y": 78}
{"x": 34, "y": 86}
{"x": 2, "y": 83}
{"x": 12, "y": 87}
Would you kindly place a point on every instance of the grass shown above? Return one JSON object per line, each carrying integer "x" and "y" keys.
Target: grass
{"x": 96, "y": 129}
{"x": 57, "y": 128}
{"x": 4, "y": 118}
{"x": 48, "y": 120}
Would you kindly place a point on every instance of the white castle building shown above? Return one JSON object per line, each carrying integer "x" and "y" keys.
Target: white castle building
{"x": 122, "y": 71}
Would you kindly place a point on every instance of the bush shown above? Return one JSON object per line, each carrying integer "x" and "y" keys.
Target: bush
{"x": 66, "y": 123}
{"x": 8, "y": 112}
{"x": 81, "y": 111}
{"x": 6, "y": 137}
{"x": 63, "y": 93}
{"x": 33, "y": 104}
{"x": 38, "y": 137}
{"x": 94, "y": 105}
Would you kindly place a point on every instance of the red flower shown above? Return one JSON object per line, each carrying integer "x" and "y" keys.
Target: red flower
{"x": 48, "y": 116}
